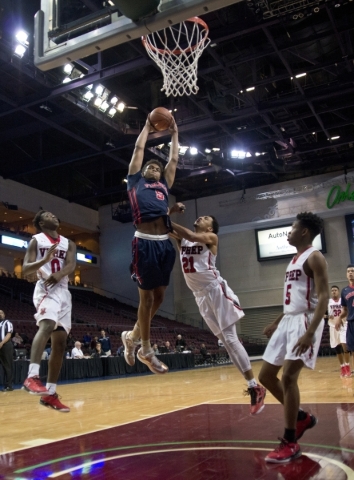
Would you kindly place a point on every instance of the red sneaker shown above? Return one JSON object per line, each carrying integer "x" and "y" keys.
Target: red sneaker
{"x": 303, "y": 425}
{"x": 155, "y": 365}
{"x": 348, "y": 373}
{"x": 343, "y": 371}
{"x": 284, "y": 453}
{"x": 53, "y": 401}
{"x": 257, "y": 394}
{"x": 34, "y": 386}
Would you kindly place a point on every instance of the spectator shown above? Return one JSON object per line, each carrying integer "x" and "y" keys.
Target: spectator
{"x": 180, "y": 343}
{"x": 76, "y": 352}
{"x": 93, "y": 343}
{"x": 204, "y": 352}
{"x": 87, "y": 339}
{"x": 120, "y": 351}
{"x": 17, "y": 340}
{"x": 105, "y": 342}
{"x": 155, "y": 349}
{"x": 6, "y": 351}
{"x": 70, "y": 342}
{"x": 98, "y": 352}
{"x": 220, "y": 344}
{"x": 168, "y": 348}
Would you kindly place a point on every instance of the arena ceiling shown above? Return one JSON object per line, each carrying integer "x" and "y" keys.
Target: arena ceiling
{"x": 297, "y": 121}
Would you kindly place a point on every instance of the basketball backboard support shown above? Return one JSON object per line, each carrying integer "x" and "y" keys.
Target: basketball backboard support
{"x": 120, "y": 29}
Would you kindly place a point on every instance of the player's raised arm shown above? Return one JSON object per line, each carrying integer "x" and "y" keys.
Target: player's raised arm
{"x": 138, "y": 154}
{"x": 170, "y": 169}
{"x": 208, "y": 238}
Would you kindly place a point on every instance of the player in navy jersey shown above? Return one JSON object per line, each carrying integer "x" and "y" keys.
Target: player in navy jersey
{"x": 53, "y": 257}
{"x": 347, "y": 300}
{"x": 338, "y": 338}
{"x": 153, "y": 255}
{"x": 295, "y": 335}
{"x": 218, "y": 304}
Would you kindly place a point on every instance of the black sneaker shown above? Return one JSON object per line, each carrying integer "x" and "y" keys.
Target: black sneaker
{"x": 8, "y": 389}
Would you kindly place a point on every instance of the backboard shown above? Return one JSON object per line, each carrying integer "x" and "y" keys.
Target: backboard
{"x": 59, "y": 40}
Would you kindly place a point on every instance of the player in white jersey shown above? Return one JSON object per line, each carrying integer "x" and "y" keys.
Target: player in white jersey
{"x": 53, "y": 257}
{"x": 295, "y": 335}
{"x": 217, "y": 303}
{"x": 338, "y": 337}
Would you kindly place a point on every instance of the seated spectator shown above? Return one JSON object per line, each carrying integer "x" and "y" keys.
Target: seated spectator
{"x": 87, "y": 339}
{"x": 220, "y": 344}
{"x": 120, "y": 351}
{"x": 17, "y": 340}
{"x": 168, "y": 348}
{"x": 105, "y": 342}
{"x": 180, "y": 344}
{"x": 70, "y": 342}
{"x": 76, "y": 352}
{"x": 93, "y": 343}
{"x": 204, "y": 353}
{"x": 98, "y": 352}
{"x": 156, "y": 349}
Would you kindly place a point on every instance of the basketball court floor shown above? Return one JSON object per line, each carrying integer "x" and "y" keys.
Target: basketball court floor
{"x": 191, "y": 424}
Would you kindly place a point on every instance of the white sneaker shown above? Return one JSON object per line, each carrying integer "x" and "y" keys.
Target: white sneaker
{"x": 129, "y": 348}
{"x": 152, "y": 362}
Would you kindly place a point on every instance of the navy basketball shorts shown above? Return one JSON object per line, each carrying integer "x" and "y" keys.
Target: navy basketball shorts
{"x": 153, "y": 257}
{"x": 350, "y": 336}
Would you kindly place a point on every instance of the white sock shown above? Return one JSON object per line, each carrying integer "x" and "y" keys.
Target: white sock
{"x": 51, "y": 387}
{"x": 252, "y": 383}
{"x": 33, "y": 370}
{"x": 146, "y": 346}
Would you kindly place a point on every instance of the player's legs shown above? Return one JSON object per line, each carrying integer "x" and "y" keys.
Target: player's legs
{"x": 55, "y": 361}
{"x": 236, "y": 351}
{"x": 45, "y": 329}
{"x": 268, "y": 376}
{"x": 289, "y": 380}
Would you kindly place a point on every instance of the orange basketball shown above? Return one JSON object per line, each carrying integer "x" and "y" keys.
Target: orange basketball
{"x": 160, "y": 119}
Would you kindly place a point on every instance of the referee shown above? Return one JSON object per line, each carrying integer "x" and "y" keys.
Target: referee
{"x": 6, "y": 351}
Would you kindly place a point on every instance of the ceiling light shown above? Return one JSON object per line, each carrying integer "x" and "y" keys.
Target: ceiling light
{"x": 121, "y": 107}
{"x": 300, "y": 75}
{"x": 250, "y": 89}
{"x": 111, "y": 112}
{"x": 87, "y": 96}
{"x": 68, "y": 68}
{"x": 22, "y": 36}
{"x": 207, "y": 150}
{"x": 181, "y": 149}
{"x": 89, "y": 87}
{"x": 193, "y": 150}
{"x": 216, "y": 149}
{"x": 97, "y": 102}
{"x": 335, "y": 138}
{"x": 19, "y": 51}
{"x": 104, "y": 106}
{"x": 114, "y": 100}
{"x": 67, "y": 80}
{"x": 125, "y": 180}
{"x": 238, "y": 154}
{"x": 99, "y": 89}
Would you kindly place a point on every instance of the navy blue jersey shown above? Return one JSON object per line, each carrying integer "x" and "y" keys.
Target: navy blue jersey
{"x": 347, "y": 299}
{"x": 148, "y": 198}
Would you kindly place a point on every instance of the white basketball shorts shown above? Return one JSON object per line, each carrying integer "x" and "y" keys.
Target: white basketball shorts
{"x": 285, "y": 337}
{"x": 53, "y": 304}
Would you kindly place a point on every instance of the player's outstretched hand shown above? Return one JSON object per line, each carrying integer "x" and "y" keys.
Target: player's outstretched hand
{"x": 338, "y": 324}
{"x": 303, "y": 344}
{"x": 177, "y": 208}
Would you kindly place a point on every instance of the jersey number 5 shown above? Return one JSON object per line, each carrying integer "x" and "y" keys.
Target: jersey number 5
{"x": 287, "y": 294}
{"x": 188, "y": 265}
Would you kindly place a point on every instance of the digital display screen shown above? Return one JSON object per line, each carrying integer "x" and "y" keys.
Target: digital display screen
{"x": 273, "y": 243}
{"x": 13, "y": 242}
{"x": 86, "y": 257}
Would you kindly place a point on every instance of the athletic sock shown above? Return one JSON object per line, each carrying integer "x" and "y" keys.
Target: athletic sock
{"x": 51, "y": 387}
{"x": 252, "y": 383}
{"x": 33, "y": 370}
{"x": 146, "y": 346}
{"x": 290, "y": 435}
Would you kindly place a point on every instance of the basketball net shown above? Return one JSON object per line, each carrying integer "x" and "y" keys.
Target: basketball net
{"x": 176, "y": 50}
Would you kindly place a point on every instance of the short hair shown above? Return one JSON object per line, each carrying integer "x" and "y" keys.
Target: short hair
{"x": 154, "y": 162}
{"x": 350, "y": 265}
{"x": 335, "y": 286}
{"x": 214, "y": 225}
{"x": 312, "y": 222}
{"x": 37, "y": 219}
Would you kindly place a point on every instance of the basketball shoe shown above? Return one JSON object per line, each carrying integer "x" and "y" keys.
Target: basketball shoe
{"x": 348, "y": 373}
{"x": 53, "y": 401}
{"x": 257, "y": 395}
{"x": 129, "y": 348}
{"x": 284, "y": 453}
{"x": 34, "y": 386}
{"x": 343, "y": 371}
{"x": 152, "y": 362}
{"x": 303, "y": 425}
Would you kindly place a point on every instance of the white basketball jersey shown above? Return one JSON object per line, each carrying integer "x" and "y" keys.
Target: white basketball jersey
{"x": 198, "y": 265}
{"x": 334, "y": 310}
{"x": 44, "y": 242}
{"x": 299, "y": 289}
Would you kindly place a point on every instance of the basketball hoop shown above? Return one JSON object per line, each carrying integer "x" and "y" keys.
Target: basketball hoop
{"x": 176, "y": 50}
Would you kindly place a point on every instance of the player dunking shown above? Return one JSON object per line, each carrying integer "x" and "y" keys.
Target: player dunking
{"x": 153, "y": 252}
{"x": 296, "y": 333}
{"x": 217, "y": 303}
{"x": 338, "y": 338}
{"x": 53, "y": 257}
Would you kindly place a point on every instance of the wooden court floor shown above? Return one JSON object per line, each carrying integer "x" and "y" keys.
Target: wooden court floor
{"x": 192, "y": 424}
